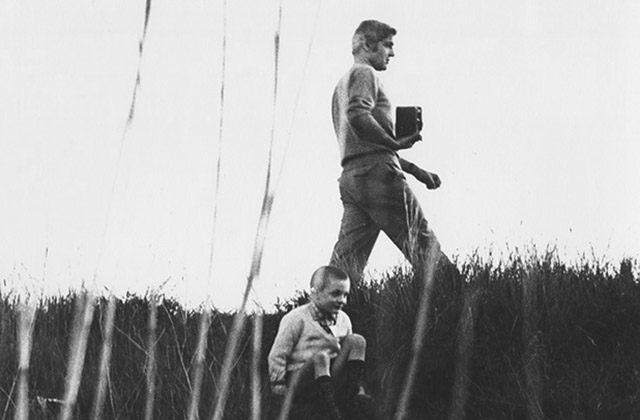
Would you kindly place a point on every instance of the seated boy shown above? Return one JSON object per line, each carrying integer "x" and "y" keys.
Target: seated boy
{"x": 315, "y": 354}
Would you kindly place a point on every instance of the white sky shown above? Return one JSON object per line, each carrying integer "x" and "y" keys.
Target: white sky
{"x": 531, "y": 111}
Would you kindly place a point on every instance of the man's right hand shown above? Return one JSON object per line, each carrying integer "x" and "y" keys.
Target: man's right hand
{"x": 431, "y": 180}
{"x": 408, "y": 141}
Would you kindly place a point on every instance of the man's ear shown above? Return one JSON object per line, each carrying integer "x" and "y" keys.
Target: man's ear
{"x": 371, "y": 47}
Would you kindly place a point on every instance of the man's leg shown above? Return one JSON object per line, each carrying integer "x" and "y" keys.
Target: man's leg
{"x": 389, "y": 202}
{"x": 377, "y": 199}
{"x": 414, "y": 237}
{"x": 358, "y": 235}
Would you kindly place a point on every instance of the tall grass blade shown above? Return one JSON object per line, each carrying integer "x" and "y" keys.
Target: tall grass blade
{"x": 27, "y": 312}
{"x": 464, "y": 351}
{"x": 532, "y": 344}
{"x": 147, "y": 13}
{"x": 127, "y": 124}
{"x": 267, "y": 204}
{"x": 256, "y": 388}
{"x": 294, "y": 112}
{"x": 229, "y": 356}
{"x": 79, "y": 337}
{"x": 287, "y": 404}
{"x": 198, "y": 364}
{"x": 124, "y": 135}
{"x": 402, "y": 410}
{"x": 105, "y": 359}
{"x": 205, "y": 317}
{"x": 150, "y": 374}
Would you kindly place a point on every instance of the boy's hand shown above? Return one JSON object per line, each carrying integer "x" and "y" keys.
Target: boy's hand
{"x": 431, "y": 180}
{"x": 333, "y": 343}
{"x": 279, "y": 389}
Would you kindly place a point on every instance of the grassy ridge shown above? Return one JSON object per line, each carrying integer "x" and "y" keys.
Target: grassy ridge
{"x": 528, "y": 338}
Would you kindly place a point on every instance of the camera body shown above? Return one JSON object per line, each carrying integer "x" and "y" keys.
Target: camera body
{"x": 408, "y": 120}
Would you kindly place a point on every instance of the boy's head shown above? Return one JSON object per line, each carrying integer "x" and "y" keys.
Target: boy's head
{"x": 330, "y": 288}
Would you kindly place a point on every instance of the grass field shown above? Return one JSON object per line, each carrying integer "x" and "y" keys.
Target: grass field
{"x": 529, "y": 338}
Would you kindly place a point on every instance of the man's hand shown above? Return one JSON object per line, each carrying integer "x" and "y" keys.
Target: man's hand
{"x": 431, "y": 180}
{"x": 408, "y": 141}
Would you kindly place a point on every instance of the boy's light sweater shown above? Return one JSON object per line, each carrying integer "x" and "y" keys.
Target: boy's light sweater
{"x": 299, "y": 337}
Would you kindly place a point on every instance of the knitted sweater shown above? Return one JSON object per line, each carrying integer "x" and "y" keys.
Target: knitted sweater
{"x": 359, "y": 93}
{"x": 299, "y": 337}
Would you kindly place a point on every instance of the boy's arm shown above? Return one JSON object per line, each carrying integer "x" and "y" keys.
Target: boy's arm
{"x": 430, "y": 179}
{"x": 285, "y": 341}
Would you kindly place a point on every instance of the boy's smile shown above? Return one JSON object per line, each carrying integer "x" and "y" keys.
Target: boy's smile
{"x": 333, "y": 296}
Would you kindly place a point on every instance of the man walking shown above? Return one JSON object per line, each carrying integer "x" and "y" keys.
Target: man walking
{"x": 373, "y": 188}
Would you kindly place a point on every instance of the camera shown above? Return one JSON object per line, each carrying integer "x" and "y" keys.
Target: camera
{"x": 408, "y": 120}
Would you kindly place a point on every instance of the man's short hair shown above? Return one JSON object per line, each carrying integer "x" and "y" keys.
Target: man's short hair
{"x": 370, "y": 32}
{"x": 321, "y": 275}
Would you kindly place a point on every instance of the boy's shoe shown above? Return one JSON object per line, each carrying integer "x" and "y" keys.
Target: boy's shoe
{"x": 328, "y": 398}
{"x": 361, "y": 407}
{"x": 358, "y": 405}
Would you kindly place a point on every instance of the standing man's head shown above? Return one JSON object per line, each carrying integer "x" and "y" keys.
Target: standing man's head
{"x": 372, "y": 44}
{"x": 330, "y": 288}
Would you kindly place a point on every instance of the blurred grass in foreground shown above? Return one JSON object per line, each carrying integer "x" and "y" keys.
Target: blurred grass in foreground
{"x": 531, "y": 337}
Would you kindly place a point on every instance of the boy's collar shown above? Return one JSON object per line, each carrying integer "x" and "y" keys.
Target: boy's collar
{"x": 321, "y": 315}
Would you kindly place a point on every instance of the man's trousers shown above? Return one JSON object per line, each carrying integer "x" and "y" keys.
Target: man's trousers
{"x": 375, "y": 196}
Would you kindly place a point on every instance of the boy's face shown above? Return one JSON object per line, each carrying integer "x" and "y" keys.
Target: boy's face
{"x": 333, "y": 296}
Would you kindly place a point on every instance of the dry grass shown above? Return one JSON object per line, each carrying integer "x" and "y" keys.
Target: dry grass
{"x": 529, "y": 338}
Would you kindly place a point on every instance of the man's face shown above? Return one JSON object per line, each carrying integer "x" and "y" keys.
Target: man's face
{"x": 333, "y": 296}
{"x": 379, "y": 57}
